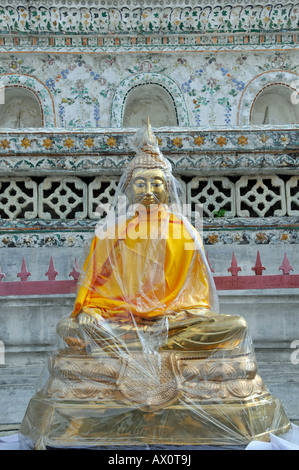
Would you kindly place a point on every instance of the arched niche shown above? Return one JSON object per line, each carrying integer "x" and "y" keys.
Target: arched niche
{"x": 27, "y": 87}
{"x": 149, "y": 100}
{"x": 259, "y": 91}
{"x": 21, "y": 109}
{"x": 143, "y": 88}
{"x": 274, "y": 105}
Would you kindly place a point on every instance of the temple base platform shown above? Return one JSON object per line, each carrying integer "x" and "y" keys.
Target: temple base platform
{"x": 91, "y": 403}
{"x": 90, "y": 425}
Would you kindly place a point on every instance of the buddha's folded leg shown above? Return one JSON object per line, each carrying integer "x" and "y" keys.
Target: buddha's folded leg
{"x": 186, "y": 333}
{"x": 98, "y": 334}
{"x": 218, "y": 331}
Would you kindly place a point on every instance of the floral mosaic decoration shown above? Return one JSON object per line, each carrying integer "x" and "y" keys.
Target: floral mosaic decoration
{"x": 205, "y": 88}
{"x": 150, "y": 19}
{"x": 84, "y": 89}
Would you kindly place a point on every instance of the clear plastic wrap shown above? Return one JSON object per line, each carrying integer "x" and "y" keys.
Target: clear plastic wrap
{"x": 147, "y": 359}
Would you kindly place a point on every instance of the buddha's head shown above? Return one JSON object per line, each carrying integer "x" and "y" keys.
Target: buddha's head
{"x": 148, "y": 187}
{"x": 148, "y": 174}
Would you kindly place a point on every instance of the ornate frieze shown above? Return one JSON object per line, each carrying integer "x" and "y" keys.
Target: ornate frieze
{"x": 153, "y": 17}
{"x": 203, "y": 163}
{"x": 105, "y": 27}
{"x": 172, "y": 141}
{"x": 130, "y": 43}
{"x": 241, "y": 235}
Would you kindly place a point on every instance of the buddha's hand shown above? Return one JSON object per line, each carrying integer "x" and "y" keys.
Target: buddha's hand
{"x": 85, "y": 319}
{"x": 201, "y": 314}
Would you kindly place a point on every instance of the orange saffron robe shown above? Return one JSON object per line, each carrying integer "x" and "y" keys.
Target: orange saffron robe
{"x": 146, "y": 276}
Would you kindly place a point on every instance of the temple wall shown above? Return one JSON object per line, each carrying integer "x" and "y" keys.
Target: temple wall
{"x": 219, "y": 83}
{"x": 207, "y": 87}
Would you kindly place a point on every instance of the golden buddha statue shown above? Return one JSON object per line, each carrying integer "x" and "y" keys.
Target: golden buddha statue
{"x": 145, "y": 346}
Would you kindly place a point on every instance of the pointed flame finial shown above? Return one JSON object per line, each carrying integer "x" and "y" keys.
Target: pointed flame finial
{"x": 258, "y": 268}
{"x": 51, "y": 273}
{"x": 234, "y": 268}
{"x": 286, "y": 267}
{"x": 24, "y": 274}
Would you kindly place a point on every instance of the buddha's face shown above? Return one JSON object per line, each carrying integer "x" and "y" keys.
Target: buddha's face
{"x": 148, "y": 187}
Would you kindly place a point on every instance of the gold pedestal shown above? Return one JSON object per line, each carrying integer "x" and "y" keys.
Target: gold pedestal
{"x": 173, "y": 399}
{"x": 65, "y": 424}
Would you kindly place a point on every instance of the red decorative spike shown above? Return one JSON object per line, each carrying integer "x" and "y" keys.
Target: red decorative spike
{"x": 2, "y": 275}
{"x": 212, "y": 270}
{"x": 51, "y": 273}
{"x": 258, "y": 268}
{"x": 234, "y": 268}
{"x": 76, "y": 271}
{"x": 286, "y": 267}
{"x": 24, "y": 274}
